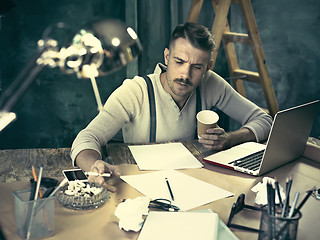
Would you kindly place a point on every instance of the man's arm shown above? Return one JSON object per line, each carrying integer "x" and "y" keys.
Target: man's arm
{"x": 120, "y": 107}
{"x": 86, "y": 158}
{"x": 219, "y": 93}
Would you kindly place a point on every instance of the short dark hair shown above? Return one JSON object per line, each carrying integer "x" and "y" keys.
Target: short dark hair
{"x": 198, "y": 35}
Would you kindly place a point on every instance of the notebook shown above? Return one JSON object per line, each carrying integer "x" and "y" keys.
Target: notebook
{"x": 286, "y": 142}
{"x": 161, "y": 225}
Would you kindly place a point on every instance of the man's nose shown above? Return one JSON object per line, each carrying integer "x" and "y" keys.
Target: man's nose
{"x": 186, "y": 71}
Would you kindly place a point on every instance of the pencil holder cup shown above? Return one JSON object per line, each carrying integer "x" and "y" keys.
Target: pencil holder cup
{"x": 277, "y": 227}
{"x": 34, "y": 219}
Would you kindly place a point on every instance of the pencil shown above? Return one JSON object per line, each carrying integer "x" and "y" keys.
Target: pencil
{"x": 168, "y": 184}
{"x": 294, "y": 203}
{"x": 286, "y": 202}
{"x": 303, "y": 202}
{"x": 278, "y": 192}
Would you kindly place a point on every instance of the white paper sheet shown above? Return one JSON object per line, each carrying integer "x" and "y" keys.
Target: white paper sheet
{"x": 164, "y": 156}
{"x": 188, "y": 192}
{"x": 180, "y": 225}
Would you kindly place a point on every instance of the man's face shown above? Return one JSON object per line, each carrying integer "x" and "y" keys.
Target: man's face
{"x": 186, "y": 66}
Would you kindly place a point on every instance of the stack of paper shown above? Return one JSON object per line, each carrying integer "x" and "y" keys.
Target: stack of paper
{"x": 202, "y": 225}
{"x": 180, "y": 225}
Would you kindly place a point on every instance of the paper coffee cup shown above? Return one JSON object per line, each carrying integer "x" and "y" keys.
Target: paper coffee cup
{"x": 206, "y": 119}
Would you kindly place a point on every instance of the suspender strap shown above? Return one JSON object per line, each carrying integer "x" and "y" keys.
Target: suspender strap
{"x": 152, "y": 107}
{"x": 198, "y": 107}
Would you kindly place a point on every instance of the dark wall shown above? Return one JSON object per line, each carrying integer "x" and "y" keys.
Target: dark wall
{"x": 290, "y": 33}
{"x": 58, "y": 106}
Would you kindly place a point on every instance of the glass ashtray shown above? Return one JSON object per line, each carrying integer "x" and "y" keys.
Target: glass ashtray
{"x": 88, "y": 195}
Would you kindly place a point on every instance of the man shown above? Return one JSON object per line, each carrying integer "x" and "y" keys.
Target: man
{"x": 176, "y": 99}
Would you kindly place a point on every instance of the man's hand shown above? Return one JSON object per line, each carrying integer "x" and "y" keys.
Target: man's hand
{"x": 101, "y": 167}
{"x": 89, "y": 161}
{"x": 216, "y": 139}
{"x": 219, "y": 139}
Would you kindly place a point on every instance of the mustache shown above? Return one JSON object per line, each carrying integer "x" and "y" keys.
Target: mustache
{"x": 183, "y": 81}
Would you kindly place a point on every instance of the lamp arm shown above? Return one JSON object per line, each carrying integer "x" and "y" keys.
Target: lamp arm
{"x": 20, "y": 85}
{"x": 96, "y": 93}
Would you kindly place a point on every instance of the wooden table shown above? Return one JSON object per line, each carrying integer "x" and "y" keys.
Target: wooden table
{"x": 102, "y": 224}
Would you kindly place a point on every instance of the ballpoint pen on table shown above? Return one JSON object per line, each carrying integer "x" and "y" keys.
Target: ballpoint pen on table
{"x": 170, "y": 191}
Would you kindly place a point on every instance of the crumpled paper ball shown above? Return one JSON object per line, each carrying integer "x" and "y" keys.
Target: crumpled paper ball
{"x": 261, "y": 190}
{"x": 130, "y": 213}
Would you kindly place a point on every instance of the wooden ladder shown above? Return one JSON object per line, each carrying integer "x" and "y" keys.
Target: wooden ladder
{"x": 221, "y": 31}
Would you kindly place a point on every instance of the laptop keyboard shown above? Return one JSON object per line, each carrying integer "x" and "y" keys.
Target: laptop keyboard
{"x": 251, "y": 162}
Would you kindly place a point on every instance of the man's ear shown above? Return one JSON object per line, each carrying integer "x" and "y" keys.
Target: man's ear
{"x": 210, "y": 64}
{"x": 166, "y": 55}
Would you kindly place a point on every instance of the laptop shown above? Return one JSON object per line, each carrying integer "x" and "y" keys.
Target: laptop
{"x": 286, "y": 142}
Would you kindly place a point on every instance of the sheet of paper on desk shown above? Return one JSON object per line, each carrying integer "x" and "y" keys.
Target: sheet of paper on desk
{"x": 164, "y": 156}
{"x": 180, "y": 225}
{"x": 188, "y": 191}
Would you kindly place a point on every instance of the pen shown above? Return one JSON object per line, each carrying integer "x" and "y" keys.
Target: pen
{"x": 168, "y": 184}
{"x": 278, "y": 192}
{"x": 34, "y": 204}
{"x": 35, "y": 177}
{"x": 63, "y": 182}
{"x": 286, "y": 202}
{"x": 294, "y": 203}
{"x": 303, "y": 202}
{"x": 273, "y": 200}
{"x": 295, "y": 211}
{"x": 98, "y": 174}
{"x": 269, "y": 197}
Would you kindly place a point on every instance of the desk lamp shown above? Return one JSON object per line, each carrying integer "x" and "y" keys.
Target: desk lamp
{"x": 97, "y": 49}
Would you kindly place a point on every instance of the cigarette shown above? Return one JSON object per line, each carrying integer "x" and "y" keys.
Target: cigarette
{"x": 98, "y": 174}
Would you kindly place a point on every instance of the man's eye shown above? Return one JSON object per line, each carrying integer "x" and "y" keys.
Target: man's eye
{"x": 197, "y": 67}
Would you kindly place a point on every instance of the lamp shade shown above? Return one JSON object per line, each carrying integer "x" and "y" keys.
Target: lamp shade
{"x": 105, "y": 45}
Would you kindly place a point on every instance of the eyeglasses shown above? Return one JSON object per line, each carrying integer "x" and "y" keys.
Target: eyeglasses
{"x": 163, "y": 204}
{"x": 238, "y": 206}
